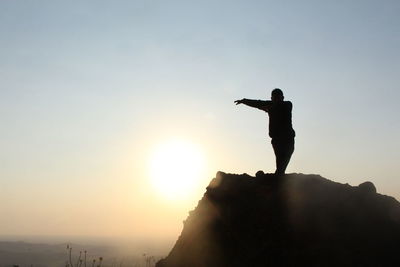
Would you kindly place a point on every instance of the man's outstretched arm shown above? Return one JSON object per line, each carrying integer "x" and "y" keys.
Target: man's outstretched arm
{"x": 260, "y": 104}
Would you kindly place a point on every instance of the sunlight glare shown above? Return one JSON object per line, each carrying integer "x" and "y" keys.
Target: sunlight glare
{"x": 176, "y": 168}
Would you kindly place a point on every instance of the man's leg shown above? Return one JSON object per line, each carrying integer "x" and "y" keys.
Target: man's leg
{"x": 287, "y": 153}
{"x": 283, "y": 150}
{"x": 277, "y": 146}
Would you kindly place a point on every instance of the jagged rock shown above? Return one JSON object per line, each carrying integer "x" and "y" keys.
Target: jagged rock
{"x": 260, "y": 174}
{"x": 367, "y": 187}
{"x": 291, "y": 220}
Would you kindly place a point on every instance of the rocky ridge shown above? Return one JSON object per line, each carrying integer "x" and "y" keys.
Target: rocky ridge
{"x": 292, "y": 220}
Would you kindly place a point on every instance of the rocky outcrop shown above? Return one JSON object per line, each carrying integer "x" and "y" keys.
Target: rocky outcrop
{"x": 292, "y": 220}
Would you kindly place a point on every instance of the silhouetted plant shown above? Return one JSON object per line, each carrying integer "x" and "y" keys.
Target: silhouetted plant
{"x": 79, "y": 262}
{"x": 69, "y": 248}
{"x": 82, "y": 260}
{"x": 148, "y": 260}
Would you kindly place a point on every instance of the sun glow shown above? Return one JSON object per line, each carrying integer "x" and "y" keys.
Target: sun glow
{"x": 176, "y": 168}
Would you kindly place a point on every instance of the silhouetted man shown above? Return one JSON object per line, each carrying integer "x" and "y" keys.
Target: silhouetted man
{"x": 280, "y": 126}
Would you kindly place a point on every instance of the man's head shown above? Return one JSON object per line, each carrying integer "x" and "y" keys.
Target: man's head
{"x": 277, "y": 95}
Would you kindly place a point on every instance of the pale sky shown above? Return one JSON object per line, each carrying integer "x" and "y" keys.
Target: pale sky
{"x": 88, "y": 89}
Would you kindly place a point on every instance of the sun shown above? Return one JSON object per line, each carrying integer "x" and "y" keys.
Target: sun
{"x": 176, "y": 168}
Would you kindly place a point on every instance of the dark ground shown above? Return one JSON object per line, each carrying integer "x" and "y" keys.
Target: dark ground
{"x": 294, "y": 220}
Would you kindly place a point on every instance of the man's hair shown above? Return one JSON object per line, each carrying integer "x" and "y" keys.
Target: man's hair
{"x": 277, "y": 92}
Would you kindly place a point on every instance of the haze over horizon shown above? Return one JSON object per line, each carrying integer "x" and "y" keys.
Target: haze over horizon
{"x": 90, "y": 90}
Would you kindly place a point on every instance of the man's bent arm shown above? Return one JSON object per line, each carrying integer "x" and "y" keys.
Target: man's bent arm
{"x": 260, "y": 104}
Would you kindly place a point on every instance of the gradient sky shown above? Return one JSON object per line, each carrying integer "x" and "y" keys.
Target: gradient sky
{"x": 89, "y": 88}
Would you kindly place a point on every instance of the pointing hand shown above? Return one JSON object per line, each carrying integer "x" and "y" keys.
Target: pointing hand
{"x": 237, "y": 102}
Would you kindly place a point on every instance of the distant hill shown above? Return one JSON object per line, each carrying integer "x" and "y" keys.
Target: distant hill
{"x": 294, "y": 220}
